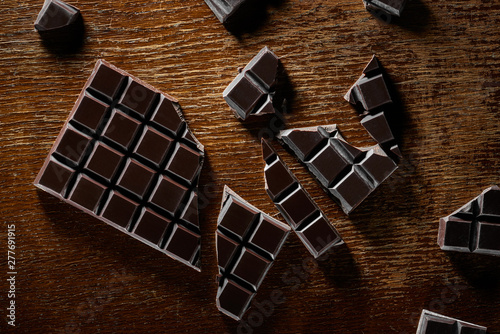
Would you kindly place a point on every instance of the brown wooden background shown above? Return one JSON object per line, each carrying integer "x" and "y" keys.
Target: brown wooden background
{"x": 78, "y": 275}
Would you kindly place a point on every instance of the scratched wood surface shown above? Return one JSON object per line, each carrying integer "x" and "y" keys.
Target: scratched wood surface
{"x": 78, "y": 275}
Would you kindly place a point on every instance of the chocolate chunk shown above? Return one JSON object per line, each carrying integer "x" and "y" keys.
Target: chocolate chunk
{"x": 372, "y": 97}
{"x": 60, "y": 23}
{"x": 295, "y": 204}
{"x": 475, "y": 227}
{"x": 126, "y": 156}
{"x": 378, "y": 127}
{"x": 389, "y": 7}
{"x": 248, "y": 241}
{"x": 348, "y": 173}
{"x": 237, "y": 15}
{"x": 433, "y": 323}
{"x": 255, "y": 91}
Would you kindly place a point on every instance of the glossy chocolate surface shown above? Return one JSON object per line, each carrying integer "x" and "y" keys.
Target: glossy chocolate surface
{"x": 254, "y": 90}
{"x": 475, "y": 227}
{"x": 434, "y": 323}
{"x": 126, "y": 156}
{"x": 296, "y": 206}
{"x": 346, "y": 172}
{"x": 248, "y": 241}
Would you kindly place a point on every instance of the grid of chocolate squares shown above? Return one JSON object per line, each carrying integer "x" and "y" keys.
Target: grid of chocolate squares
{"x": 126, "y": 157}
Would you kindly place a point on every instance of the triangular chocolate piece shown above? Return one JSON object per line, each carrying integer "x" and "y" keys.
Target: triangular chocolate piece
{"x": 373, "y": 66}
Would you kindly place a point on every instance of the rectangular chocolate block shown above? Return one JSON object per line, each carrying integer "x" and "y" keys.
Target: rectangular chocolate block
{"x": 475, "y": 227}
{"x": 255, "y": 90}
{"x": 295, "y": 204}
{"x": 126, "y": 156}
{"x": 434, "y": 323}
{"x": 346, "y": 172}
{"x": 248, "y": 241}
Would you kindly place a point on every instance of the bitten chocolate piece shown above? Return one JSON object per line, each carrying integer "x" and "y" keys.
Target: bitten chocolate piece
{"x": 433, "y": 323}
{"x": 295, "y": 204}
{"x": 371, "y": 95}
{"x": 254, "y": 90}
{"x": 59, "y": 22}
{"x": 475, "y": 227}
{"x": 248, "y": 241}
{"x": 126, "y": 156}
{"x": 348, "y": 173}
{"x": 389, "y": 7}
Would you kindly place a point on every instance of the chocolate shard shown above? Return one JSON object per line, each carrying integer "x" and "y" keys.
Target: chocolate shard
{"x": 255, "y": 90}
{"x": 126, "y": 157}
{"x": 237, "y": 15}
{"x": 297, "y": 207}
{"x": 248, "y": 241}
{"x": 372, "y": 98}
{"x": 60, "y": 23}
{"x": 389, "y": 7}
{"x": 346, "y": 172}
{"x": 371, "y": 90}
{"x": 475, "y": 227}
{"x": 434, "y": 323}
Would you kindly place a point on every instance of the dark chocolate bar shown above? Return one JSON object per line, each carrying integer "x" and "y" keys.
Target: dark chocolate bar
{"x": 126, "y": 156}
{"x": 60, "y": 22}
{"x": 371, "y": 95}
{"x": 295, "y": 204}
{"x": 389, "y": 7}
{"x": 348, "y": 173}
{"x": 433, "y": 323}
{"x": 248, "y": 242}
{"x": 475, "y": 227}
{"x": 254, "y": 90}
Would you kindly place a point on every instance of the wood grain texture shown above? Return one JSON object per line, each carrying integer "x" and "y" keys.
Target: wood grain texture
{"x": 78, "y": 275}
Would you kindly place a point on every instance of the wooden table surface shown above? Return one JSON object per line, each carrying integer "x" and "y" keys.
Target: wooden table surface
{"x": 78, "y": 275}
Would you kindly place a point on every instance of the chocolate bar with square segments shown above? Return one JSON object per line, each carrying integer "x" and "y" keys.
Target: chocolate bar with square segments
{"x": 372, "y": 96}
{"x": 295, "y": 204}
{"x": 475, "y": 227}
{"x": 256, "y": 89}
{"x": 127, "y": 157}
{"x": 434, "y": 323}
{"x": 248, "y": 241}
{"x": 346, "y": 172}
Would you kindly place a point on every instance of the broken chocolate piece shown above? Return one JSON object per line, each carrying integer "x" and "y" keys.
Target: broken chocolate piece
{"x": 348, "y": 173}
{"x": 475, "y": 227}
{"x": 389, "y": 7}
{"x": 371, "y": 95}
{"x": 248, "y": 242}
{"x": 238, "y": 16}
{"x": 295, "y": 204}
{"x": 434, "y": 323}
{"x": 124, "y": 157}
{"x": 60, "y": 23}
{"x": 254, "y": 90}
